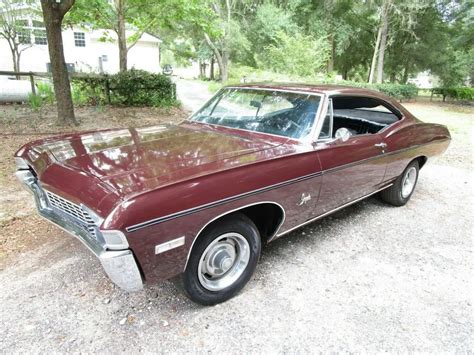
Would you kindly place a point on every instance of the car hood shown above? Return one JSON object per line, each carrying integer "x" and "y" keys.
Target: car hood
{"x": 135, "y": 160}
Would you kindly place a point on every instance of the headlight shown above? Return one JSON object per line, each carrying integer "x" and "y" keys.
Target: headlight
{"x": 115, "y": 240}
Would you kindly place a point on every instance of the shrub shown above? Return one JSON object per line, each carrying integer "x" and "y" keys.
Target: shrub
{"x": 131, "y": 88}
{"x": 141, "y": 88}
{"x": 456, "y": 93}
{"x": 35, "y": 101}
{"x": 398, "y": 91}
{"x": 89, "y": 90}
{"x": 45, "y": 92}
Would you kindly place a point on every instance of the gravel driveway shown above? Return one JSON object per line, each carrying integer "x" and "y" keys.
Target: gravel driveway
{"x": 369, "y": 278}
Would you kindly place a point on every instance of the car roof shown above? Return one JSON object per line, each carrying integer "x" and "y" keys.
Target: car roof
{"x": 312, "y": 88}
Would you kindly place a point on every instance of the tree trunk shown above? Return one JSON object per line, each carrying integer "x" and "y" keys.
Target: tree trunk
{"x": 406, "y": 73}
{"x": 16, "y": 62}
{"x": 14, "y": 51}
{"x": 222, "y": 59}
{"x": 53, "y": 14}
{"x": 333, "y": 52}
{"x": 225, "y": 66}
{"x": 345, "y": 72}
{"x": 374, "y": 57}
{"x": 211, "y": 74}
{"x": 383, "y": 41}
{"x": 121, "y": 35}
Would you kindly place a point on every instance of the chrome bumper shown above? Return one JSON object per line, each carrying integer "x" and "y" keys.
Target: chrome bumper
{"x": 119, "y": 265}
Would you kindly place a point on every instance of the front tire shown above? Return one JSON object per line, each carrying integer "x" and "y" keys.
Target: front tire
{"x": 222, "y": 261}
{"x": 400, "y": 192}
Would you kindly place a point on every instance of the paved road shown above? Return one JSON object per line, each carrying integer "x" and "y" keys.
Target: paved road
{"x": 192, "y": 94}
{"x": 369, "y": 278}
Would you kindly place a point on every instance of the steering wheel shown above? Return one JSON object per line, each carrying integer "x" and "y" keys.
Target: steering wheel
{"x": 280, "y": 123}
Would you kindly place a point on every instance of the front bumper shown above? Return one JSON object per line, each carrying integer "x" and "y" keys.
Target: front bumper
{"x": 119, "y": 265}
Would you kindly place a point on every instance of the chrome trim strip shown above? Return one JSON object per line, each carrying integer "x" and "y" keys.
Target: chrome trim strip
{"x": 171, "y": 244}
{"x": 231, "y": 211}
{"x": 264, "y": 189}
{"x": 329, "y": 212}
{"x": 218, "y": 203}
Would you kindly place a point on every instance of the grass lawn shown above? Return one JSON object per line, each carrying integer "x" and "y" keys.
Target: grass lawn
{"x": 460, "y": 122}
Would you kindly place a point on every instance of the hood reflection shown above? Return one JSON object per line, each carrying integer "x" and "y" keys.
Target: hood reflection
{"x": 137, "y": 159}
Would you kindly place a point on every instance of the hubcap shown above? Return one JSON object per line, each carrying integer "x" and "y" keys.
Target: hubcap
{"x": 223, "y": 261}
{"x": 409, "y": 181}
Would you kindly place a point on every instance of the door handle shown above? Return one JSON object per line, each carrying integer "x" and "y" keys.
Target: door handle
{"x": 381, "y": 145}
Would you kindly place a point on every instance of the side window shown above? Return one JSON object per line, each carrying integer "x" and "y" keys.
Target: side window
{"x": 326, "y": 130}
{"x": 362, "y": 114}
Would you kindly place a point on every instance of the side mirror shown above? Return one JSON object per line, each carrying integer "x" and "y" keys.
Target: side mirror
{"x": 342, "y": 134}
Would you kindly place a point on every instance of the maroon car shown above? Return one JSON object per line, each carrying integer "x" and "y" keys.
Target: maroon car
{"x": 200, "y": 198}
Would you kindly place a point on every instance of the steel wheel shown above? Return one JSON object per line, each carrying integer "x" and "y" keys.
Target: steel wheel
{"x": 223, "y": 261}
{"x": 402, "y": 189}
{"x": 409, "y": 181}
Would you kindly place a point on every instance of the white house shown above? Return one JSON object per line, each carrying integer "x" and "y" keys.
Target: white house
{"x": 84, "y": 50}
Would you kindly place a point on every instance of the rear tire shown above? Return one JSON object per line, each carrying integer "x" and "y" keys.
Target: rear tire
{"x": 400, "y": 192}
{"x": 222, "y": 261}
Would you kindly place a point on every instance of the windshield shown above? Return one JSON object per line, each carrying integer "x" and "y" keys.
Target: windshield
{"x": 284, "y": 114}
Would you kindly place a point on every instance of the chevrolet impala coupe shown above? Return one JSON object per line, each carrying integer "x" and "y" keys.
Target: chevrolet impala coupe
{"x": 200, "y": 198}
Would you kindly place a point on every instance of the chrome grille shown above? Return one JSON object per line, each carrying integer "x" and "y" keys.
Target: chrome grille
{"x": 70, "y": 208}
{"x": 92, "y": 232}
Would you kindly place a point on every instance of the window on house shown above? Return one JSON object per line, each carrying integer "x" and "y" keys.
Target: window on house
{"x": 24, "y": 32}
{"x": 79, "y": 39}
{"x": 39, "y": 33}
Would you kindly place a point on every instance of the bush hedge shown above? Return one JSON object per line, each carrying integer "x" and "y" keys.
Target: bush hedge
{"x": 131, "y": 88}
{"x": 397, "y": 91}
{"x": 456, "y": 93}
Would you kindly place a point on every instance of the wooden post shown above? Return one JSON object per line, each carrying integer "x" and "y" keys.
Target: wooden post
{"x": 107, "y": 89}
{"x": 32, "y": 81}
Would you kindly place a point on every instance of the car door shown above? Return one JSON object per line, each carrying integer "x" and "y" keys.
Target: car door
{"x": 352, "y": 167}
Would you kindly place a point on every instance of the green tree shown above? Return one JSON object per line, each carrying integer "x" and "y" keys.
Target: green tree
{"x": 12, "y": 23}
{"x": 139, "y": 16}
{"x": 311, "y": 58}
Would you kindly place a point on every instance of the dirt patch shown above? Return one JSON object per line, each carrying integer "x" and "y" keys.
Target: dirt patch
{"x": 20, "y": 119}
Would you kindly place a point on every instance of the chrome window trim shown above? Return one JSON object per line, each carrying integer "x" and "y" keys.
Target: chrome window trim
{"x": 320, "y": 123}
{"x": 306, "y": 139}
{"x": 235, "y": 210}
{"x": 401, "y": 118}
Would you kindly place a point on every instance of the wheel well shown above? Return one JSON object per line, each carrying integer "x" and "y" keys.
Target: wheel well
{"x": 421, "y": 160}
{"x": 267, "y": 216}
